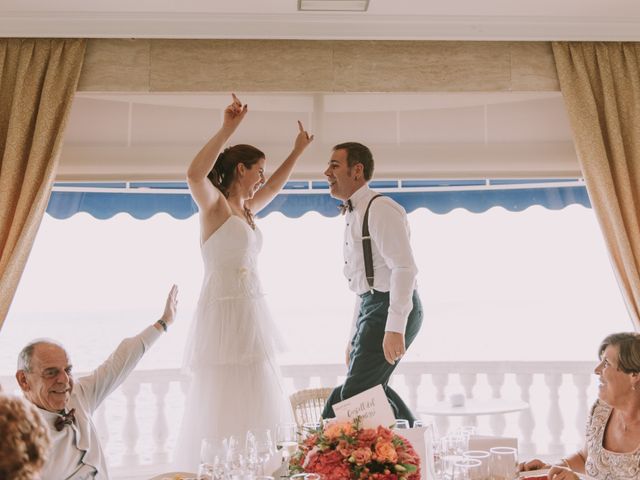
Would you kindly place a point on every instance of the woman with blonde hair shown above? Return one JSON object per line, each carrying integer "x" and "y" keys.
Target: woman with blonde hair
{"x": 24, "y": 439}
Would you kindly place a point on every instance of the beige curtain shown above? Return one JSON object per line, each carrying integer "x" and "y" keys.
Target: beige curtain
{"x": 600, "y": 83}
{"x": 38, "y": 78}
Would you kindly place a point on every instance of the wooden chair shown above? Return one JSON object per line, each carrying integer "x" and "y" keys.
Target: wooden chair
{"x": 308, "y": 404}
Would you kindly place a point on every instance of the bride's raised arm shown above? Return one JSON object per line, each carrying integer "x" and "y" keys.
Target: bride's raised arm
{"x": 205, "y": 194}
{"x": 276, "y": 181}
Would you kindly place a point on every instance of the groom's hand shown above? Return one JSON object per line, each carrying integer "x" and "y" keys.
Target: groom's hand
{"x": 347, "y": 353}
{"x": 393, "y": 346}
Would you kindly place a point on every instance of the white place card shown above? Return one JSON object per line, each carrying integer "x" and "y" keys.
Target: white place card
{"x": 371, "y": 406}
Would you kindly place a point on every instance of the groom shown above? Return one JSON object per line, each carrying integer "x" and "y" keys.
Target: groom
{"x": 381, "y": 272}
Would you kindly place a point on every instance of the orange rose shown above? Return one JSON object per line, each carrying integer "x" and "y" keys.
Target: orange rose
{"x": 335, "y": 430}
{"x": 361, "y": 456}
{"x": 386, "y": 452}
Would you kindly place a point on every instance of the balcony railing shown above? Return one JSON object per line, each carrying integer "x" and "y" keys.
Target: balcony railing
{"x": 138, "y": 423}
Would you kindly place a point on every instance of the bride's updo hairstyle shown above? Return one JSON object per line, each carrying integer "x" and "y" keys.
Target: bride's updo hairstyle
{"x": 223, "y": 172}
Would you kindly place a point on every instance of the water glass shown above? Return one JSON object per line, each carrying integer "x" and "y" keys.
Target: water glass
{"x": 503, "y": 463}
{"x": 483, "y": 458}
{"x": 451, "y": 448}
{"x": 466, "y": 469}
{"x": 402, "y": 423}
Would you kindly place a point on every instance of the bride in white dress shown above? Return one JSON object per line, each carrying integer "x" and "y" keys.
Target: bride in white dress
{"x": 236, "y": 384}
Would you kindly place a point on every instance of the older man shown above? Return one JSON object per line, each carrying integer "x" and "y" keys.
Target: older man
{"x": 44, "y": 375}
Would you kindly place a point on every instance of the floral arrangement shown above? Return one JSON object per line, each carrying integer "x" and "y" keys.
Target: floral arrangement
{"x": 345, "y": 451}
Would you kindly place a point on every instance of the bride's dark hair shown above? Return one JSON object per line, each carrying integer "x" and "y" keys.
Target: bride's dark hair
{"x": 224, "y": 170}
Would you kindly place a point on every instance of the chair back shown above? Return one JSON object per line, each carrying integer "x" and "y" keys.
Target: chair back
{"x": 308, "y": 404}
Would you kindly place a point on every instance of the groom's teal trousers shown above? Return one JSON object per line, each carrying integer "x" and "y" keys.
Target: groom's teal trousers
{"x": 367, "y": 365}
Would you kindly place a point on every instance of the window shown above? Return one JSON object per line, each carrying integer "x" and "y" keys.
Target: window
{"x": 491, "y": 283}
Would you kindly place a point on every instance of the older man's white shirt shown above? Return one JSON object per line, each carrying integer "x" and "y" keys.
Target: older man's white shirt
{"x": 75, "y": 452}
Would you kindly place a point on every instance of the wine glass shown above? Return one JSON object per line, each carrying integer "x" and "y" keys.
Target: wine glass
{"x": 286, "y": 441}
{"x": 503, "y": 463}
{"x": 211, "y": 459}
{"x": 234, "y": 459}
{"x": 263, "y": 447}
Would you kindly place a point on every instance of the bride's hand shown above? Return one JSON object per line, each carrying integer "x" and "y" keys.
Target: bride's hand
{"x": 234, "y": 113}
{"x": 302, "y": 140}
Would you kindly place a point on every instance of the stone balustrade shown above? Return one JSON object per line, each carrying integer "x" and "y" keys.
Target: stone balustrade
{"x": 138, "y": 423}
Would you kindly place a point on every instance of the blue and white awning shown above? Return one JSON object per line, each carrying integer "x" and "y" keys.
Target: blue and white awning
{"x": 144, "y": 199}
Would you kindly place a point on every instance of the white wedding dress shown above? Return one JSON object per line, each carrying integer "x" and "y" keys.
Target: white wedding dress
{"x": 230, "y": 352}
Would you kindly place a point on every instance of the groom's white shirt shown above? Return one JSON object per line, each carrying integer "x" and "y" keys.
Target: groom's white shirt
{"x": 393, "y": 264}
{"x": 75, "y": 452}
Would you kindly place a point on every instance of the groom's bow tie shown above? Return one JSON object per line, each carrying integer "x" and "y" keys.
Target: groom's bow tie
{"x": 65, "y": 419}
{"x": 346, "y": 207}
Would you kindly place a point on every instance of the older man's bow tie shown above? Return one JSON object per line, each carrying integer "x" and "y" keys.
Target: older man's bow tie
{"x": 346, "y": 207}
{"x": 65, "y": 419}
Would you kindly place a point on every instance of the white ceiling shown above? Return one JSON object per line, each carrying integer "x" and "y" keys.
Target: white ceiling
{"x": 385, "y": 19}
{"x": 470, "y": 135}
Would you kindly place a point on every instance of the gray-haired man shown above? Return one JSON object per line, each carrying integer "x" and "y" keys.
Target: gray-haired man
{"x": 45, "y": 377}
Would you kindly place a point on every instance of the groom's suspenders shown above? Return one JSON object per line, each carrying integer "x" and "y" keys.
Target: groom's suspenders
{"x": 366, "y": 245}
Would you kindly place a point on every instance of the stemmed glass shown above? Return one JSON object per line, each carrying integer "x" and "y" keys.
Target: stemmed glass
{"x": 286, "y": 441}
{"x": 262, "y": 447}
{"x": 211, "y": 460}
{"x": 234, "y": 461}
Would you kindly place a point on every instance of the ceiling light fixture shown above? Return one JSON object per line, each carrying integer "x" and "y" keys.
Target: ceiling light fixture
{"x": 333, "y": 5}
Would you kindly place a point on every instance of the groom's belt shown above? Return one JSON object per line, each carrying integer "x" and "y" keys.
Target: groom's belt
{"x": 374, "y": 294}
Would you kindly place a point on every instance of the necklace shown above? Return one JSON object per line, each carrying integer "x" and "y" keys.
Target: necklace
{"x": 249, "y": 216}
